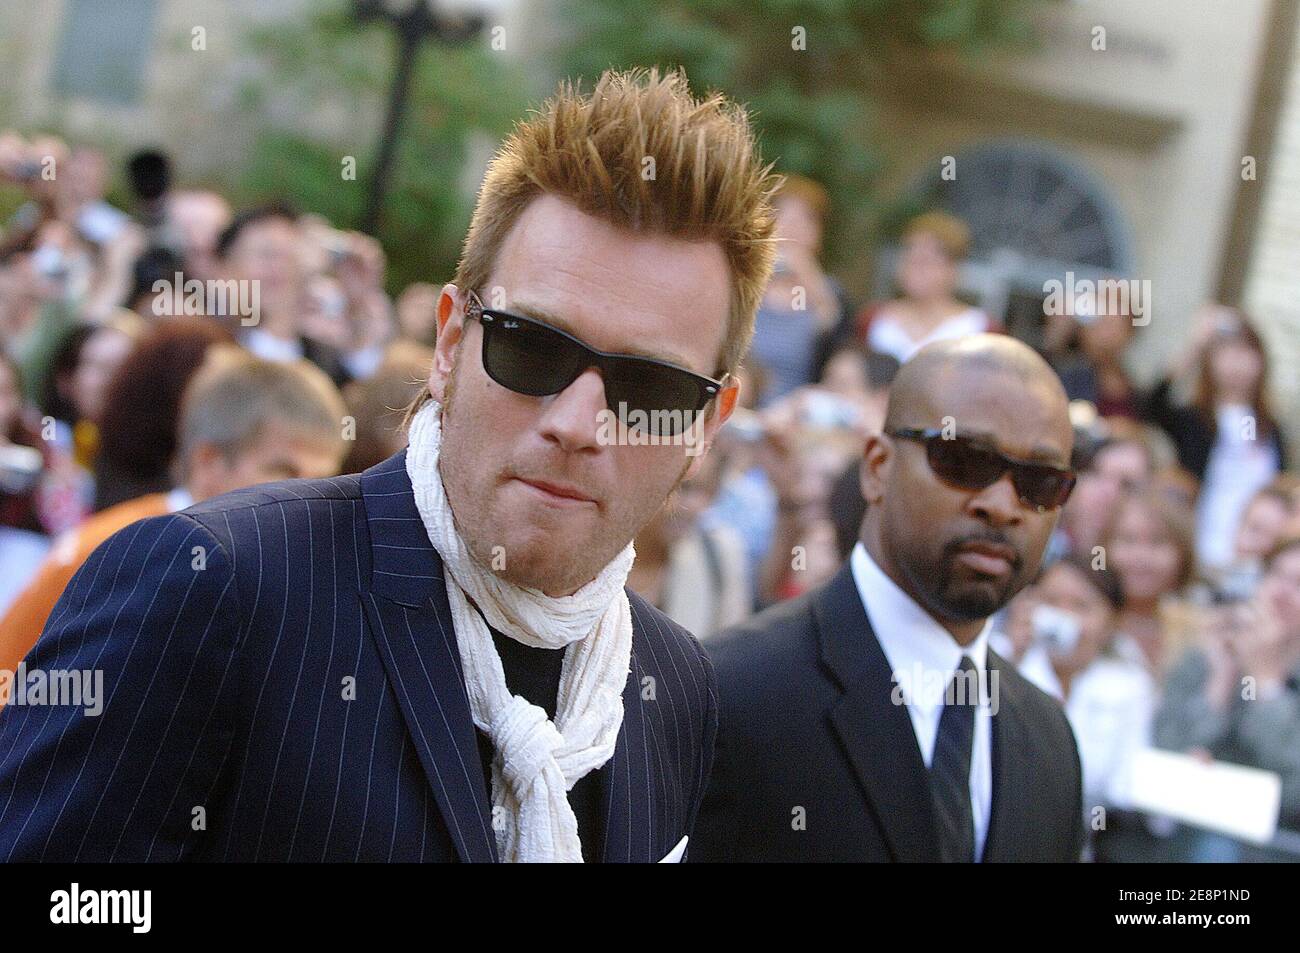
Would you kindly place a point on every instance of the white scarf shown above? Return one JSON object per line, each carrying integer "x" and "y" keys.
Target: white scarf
{"x": 536, "y": 762}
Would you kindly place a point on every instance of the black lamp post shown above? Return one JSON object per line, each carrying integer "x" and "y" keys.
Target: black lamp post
{"x": 413, "y": 21}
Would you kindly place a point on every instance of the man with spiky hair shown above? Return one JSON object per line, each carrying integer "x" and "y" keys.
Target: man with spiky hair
{"x": 438, "y": 659}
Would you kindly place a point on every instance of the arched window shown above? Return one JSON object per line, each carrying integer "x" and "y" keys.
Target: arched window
{"x": 1034, "y": 214}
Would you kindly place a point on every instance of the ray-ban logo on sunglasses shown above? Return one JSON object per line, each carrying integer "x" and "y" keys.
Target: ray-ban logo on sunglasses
{"x": 637, "y": 427}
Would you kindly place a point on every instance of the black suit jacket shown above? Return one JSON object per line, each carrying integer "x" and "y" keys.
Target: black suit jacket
{"x": 283, "y": 658}
{"x": 808, "y": 733}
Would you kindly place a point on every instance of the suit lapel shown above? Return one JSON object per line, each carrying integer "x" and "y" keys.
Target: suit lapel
{"x": 876, "y": 733}
{"x": 1011, "y": 773}
{"x": 409, "y": 617}
{"x": 633, "y": 792}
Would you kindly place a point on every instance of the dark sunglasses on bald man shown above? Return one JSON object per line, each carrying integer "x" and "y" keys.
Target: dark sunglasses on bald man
{"x": 533, "y": 358}
{"x": 970, "y": 464}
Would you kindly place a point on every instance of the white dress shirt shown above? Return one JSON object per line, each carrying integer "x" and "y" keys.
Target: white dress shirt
{"x": 1111, "y": 708}
{"x": 923, "y": 656}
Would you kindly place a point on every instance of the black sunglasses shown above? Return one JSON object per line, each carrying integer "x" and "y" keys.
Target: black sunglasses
{"x": 531, "y": 357}
{"x": 971, "y": 465}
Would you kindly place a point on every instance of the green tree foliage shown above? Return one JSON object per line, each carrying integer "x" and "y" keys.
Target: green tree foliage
{"x": 813, "y": 107}
{"x": 327, "y": 63}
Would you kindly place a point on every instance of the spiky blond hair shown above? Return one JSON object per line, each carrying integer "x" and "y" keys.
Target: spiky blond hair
{"x": 708, "y": 181}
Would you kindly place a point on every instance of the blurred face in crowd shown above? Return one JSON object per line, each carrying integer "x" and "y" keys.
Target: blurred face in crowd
{"x": 278, "y": 452}
{"x": 83, "y": 176}
{"x": 101, "y": 356}
{"x": 1117, "y": 469}
{"x": 1235, "y": 369}
{"x": 323, "y": 311}
{"x": 797, "y": 224}
{"x": 1279, "y": 590}
{"x": 528, "y": 473}
{"x": 821, "y": 552}
{"x": 925, "y": 272}
{"x": 1124, "y": 465}
{"x": 267, "y": 251}
{"x": 962, "y": 554}
{"x": 846, "y": 374}
{"x": 56, "y": 256}
{"x": 199, "y": 217}
{"x": 1144, "y": 553}
{"x": 417, "y": 311}
{"x": 1106, "y": 336}
{"x": 1261, "y": 526}
{"x": 682, "y": 512}
{"x": 1065, "y": 587}
{"x": 1017, "y": 624}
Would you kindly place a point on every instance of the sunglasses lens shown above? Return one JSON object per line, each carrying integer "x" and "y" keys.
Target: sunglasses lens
{"x": 528, "y": 358}
{"x": 964, "y": 464}
{"x": 973, "y": 467}
{"x": 651, "y": 398}
{"x": 1043, "y": 486}
{"x": 532, "y": 359}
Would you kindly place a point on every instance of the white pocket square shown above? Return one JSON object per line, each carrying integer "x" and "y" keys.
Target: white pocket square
{"x": 674, "y": 856}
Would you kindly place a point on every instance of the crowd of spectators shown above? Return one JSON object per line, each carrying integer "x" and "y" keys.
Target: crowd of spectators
{"x": 1167, "y": 613}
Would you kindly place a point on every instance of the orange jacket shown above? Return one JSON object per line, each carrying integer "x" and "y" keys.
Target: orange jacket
{"x": 22, "y": 624}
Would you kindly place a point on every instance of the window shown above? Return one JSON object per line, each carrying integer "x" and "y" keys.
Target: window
{"x": 104, "y": 49}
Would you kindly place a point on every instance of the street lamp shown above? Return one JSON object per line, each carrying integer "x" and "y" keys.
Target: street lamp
{"x": 447, "y": 21}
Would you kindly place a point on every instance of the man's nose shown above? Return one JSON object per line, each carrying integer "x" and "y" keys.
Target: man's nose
{"x": 571, "y": 418}
{"x": 998, "y": 504}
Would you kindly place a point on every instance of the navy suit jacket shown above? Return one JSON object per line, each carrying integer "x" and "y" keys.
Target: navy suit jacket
{"x": 281, "y": 682}
{"x": 816, "y": 763}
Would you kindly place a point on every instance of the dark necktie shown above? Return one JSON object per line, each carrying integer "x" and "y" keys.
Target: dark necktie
{"x": 950, "y": 768}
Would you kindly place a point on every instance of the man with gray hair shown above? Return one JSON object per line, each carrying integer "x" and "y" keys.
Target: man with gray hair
{"x": 243, "y": 421}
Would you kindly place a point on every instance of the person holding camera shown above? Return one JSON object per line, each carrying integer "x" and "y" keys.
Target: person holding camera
{"x": 1227, "y": 436}
{"x": 1236, "y": 697}
{"x": 1110, "y": 700}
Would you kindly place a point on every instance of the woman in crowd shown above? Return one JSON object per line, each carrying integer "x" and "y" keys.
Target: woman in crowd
{"x": 1119, "y": 462}
{"x": 1149, "y": 544}
{"x": 802, "y": 305}
{"x": 23, "y": 543}
{"x": 1086, "y": 345}
{"x": 142, "y": 406}
{"x": 1263, "y": 525}
{"x": 1236, "y": 697}
{"x": 1227, "y": 437}
{"x": 375, "y": 404}
{"x": 73, "y": 402}
{"x": 1109, "y": 699}
{"x": 928, "y": 309}
{"x": 22, "y": 456}
{"x": 692, "y": 568}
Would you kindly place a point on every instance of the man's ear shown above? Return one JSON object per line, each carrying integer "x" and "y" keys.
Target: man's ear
{"x": 724, "y": 406}
{"x": 451, "y": 325}
{"x": 877, "y": 458}
{"x": 727, "y": 399}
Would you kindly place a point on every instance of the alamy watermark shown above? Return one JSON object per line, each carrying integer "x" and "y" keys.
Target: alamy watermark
{"x": 635, "y": 427}
{"x": 75, "y": 688}
{"x": 1088, "y": 298}
{"x": 212, "y": 298}
{"x": 927, "y": 686}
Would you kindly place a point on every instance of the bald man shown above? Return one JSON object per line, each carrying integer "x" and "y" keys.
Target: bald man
{"x": 869, "y": 720}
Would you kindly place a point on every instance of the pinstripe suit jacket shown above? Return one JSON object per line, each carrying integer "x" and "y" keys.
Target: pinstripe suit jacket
{"x": 281, "y": 682}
